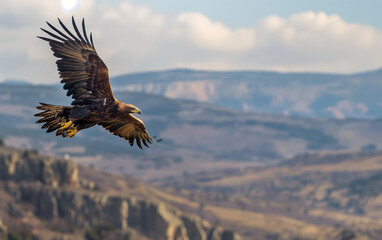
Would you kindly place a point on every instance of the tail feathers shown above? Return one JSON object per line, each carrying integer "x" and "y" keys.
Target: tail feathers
{"x": 53, "y": 117}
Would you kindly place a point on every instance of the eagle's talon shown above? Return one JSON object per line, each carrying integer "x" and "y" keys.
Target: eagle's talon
{"x": 66, "y": 125}
{"x": 71, "y": 132}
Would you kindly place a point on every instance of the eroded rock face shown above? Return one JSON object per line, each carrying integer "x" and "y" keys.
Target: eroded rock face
{"x": 157, "y": 220}
{"x": 230, "y": 235}
{"x": 51, "y": 186}
{"x": 215, "y": 233}
{"x": 19, "y": 166}
{"x": 83, "y": 208}
{"x": 196, "y": 228}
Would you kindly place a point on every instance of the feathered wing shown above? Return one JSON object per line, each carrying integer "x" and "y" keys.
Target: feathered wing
{"x": 84, "y": 74}
{"x": 132, "y": 128}
{"x": 86, "y": 79}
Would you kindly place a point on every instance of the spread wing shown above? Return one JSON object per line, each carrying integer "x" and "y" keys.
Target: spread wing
{"x": 82, "y": 71}
{"x": 131, "y": 129}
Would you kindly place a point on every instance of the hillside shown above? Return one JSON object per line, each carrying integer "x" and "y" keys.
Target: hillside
{"x": 323, "y": 196}
{"x": 197, "y": 136}
{"x": 223, "y": 165}
{"x": 295, "y": 94}
{"x": 42, "y": 197}
{"x": 311, "y": 196}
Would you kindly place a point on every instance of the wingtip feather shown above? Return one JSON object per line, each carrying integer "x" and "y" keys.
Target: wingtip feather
{"x": 91, "y": 40}
{"x": 67, "y": 30}
{"x": 84, "y": 31}
{"x": 76, "y": 29}
{"x": 139, "y": 143}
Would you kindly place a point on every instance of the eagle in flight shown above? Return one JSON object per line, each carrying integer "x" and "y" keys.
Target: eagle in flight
{"x": 85, "y": 77}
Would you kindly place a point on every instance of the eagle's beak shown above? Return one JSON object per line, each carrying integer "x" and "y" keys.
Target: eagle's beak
{"x": 137, "y": 110}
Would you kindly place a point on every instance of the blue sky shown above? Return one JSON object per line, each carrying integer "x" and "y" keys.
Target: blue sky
{"x": 247, "y": 12}
{"x": 145, "y": 35}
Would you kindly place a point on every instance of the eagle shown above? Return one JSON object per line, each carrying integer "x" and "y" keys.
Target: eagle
{"x": 86, "y": 78}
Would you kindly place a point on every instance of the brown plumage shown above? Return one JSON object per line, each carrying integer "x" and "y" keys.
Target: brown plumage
{"x": 86, "y": 78}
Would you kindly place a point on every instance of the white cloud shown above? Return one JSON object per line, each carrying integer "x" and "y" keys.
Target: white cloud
{"x": 317, "y": 42}
{"x": 135, "y": 38}
{"x": 214, "y": 35}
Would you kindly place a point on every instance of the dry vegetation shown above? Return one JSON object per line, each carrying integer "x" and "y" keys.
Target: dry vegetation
{"x": 328, "y": 195}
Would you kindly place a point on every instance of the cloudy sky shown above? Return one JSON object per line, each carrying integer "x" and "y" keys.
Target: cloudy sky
{"x": 141, "y": 35}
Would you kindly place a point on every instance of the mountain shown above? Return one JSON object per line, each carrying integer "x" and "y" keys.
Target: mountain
{"x": 49, "y": 198}
{"x": 270, "y": 177}
{"x": 326, "y": 195}
{"x": 296, "y": 94}
{"x": 16, "y": 82}
{"x": 197, "y": 136}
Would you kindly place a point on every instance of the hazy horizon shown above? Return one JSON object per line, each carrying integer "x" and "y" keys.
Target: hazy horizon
{"x": 9, "y": 80}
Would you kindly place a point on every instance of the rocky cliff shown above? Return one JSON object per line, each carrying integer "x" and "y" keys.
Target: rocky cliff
{"x": 52, "y": 191}
{"x": 24, "y": 165}
{"x": 295, "y": 94}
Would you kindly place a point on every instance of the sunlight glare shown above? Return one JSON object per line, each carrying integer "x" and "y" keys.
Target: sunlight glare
{"x": 69, "y": 5}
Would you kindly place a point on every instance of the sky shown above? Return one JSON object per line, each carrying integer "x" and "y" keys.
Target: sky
{"x": 247, "y": 12}
{"x": 144, "y": 35}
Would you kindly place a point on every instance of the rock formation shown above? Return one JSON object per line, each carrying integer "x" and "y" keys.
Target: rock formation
{"x": 51, "y": 187}
{"x": 85, "y": 209}
{"x": 21, "y": 166}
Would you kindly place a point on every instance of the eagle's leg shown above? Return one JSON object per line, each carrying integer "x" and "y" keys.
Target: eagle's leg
{"x": 69, "y": 129}
{"x": 66, "y": 125}
{"x": 71, "y": 132}
{"x": 75, "y": 127}
{"x": 75, "y": 124}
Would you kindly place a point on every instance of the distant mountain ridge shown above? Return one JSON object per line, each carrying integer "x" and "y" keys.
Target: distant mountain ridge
{"x": 323, "y": 95}
{"x": 15, "y": 82}
{"x": 197, "y": 136}
{"x": 296, "y": 94}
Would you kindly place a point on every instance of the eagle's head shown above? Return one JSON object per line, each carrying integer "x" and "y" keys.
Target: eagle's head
{"x": 127, "y": 108}
{"x": 132, "y": 109}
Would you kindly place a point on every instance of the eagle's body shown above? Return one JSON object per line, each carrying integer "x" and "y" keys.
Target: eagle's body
{"x": 86, "y": 79}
